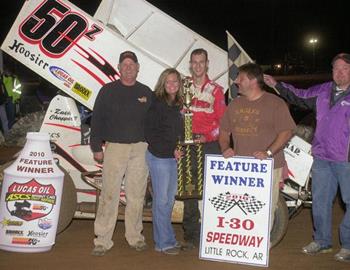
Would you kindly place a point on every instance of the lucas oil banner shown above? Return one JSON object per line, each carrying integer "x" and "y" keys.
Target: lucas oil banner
{"x": 71, "y": 50}
{"x": 236, "y": 210}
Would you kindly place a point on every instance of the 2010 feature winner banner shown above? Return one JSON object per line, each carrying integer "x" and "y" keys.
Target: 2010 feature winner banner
{"x": 236, "y": 210}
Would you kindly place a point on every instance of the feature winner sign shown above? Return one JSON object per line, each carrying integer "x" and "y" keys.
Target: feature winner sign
{"x": 236, "y": 214}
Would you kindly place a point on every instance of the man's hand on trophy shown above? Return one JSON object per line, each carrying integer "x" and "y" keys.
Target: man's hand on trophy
{"x": 178, "y": 154}
{"x": 198, "y": 138}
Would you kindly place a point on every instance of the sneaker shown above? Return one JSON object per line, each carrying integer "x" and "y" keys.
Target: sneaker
{"x": 178, "y": 245}
{"x": 188, "y": 245}
{"x": 343, "y": 255}
{"x": 171, "y": 251}
{"x": 314, "y": 248}
{"x": 99, "y": 251}
{"x": 139, "y": 246}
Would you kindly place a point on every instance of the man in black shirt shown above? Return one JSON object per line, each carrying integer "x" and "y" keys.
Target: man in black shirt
{"x": 118, "y": 120}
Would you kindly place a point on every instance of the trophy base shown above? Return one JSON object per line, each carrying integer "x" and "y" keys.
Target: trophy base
{"x": 190, "y": 172}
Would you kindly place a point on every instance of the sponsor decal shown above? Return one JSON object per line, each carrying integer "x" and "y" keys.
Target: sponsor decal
{"x": 55, "y": 135}
{"x": 62, "y": 75}
{"x": 19, "y": 49}
{"x": 81, "y": 91}
{"x": 45, "y": 223}
{"x": 9, "y": 222}
{"x": 14, "y": 232}
{"x": 21, "y": 197}
{"x": 32, "y": 233}
{"x": 39, "y": 207}
{"x": 61, "y": 115}
{"x": 25, "y": 241}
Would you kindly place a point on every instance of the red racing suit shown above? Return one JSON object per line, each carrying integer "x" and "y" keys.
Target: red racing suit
{"x": 208, "y": 106}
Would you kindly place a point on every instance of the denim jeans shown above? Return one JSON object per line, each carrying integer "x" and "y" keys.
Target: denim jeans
{"x": 164, "y": 184}
{"x": 326, "y": 176}
{"x": 4, "y": 120}
{"x": 11, "y": 113}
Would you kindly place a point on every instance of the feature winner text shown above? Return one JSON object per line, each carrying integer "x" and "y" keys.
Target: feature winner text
{"x": 238, "y": 167}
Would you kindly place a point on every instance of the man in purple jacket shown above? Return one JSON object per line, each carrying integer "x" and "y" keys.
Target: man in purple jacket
{"x": 331, "y": 152}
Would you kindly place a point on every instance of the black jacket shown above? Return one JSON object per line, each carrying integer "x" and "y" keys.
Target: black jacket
{"x": 163, "y": 129}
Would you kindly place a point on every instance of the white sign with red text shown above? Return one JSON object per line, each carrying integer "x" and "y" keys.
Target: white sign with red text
{"x": 236, "y": 210}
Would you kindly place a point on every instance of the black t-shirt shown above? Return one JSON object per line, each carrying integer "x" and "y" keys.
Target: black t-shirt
{"x": 119, "y": 113}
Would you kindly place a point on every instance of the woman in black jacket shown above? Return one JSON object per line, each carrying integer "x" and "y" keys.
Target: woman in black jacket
{"x": 163, "y": 129}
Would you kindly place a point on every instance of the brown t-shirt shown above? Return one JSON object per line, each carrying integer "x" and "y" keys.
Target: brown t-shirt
{"x": 254, "y": 125}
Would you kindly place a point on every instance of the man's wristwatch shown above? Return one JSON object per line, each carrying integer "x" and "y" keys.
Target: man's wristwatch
{"x": 269, "y": 153}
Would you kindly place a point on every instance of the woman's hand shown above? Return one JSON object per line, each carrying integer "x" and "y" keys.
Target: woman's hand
{"x": 178, "y": 154}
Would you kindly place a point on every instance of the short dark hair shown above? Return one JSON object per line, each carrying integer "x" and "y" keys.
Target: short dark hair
{"x": 253, "y": 71}
{"x": 199, "y": 51}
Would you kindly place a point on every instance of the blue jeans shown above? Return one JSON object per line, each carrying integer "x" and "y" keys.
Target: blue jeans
{"x": 326, "y": 176}
{"x": 4, "y": 120}
{"x": 164, "y": 184}
{"x": 11, "y": 113}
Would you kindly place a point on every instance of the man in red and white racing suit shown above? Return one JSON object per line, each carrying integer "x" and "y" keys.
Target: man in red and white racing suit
{"x": 208, "y": 106}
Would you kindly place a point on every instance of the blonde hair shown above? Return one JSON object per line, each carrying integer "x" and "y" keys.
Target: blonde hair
{"x": 160, "y": 87}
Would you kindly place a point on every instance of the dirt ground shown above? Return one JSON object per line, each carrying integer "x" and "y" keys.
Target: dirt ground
{"x": 73, "y": 247}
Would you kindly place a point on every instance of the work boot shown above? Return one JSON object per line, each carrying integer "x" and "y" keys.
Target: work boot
{"x": 314, "y": 248}
{"x": 139, "y": 246}
{"x": 99, "y": 251}
{"x": 188, "y": 245}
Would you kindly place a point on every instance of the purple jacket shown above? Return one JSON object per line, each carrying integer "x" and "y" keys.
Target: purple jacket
{"x": 332, "y": 136}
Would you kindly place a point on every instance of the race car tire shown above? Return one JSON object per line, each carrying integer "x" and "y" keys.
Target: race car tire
{"x": 68, "y": 202}
{"x": 280, "y": 225}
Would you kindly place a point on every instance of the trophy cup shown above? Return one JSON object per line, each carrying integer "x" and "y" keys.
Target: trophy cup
{"x": 190, "y": 166}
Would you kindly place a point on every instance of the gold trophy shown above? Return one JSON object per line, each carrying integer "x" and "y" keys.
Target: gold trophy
{"x": 188, "y": 95}
{"x": 189, "y": 185}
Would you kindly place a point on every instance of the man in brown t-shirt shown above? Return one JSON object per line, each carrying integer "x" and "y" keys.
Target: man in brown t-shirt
{"x": 259, "y": 122}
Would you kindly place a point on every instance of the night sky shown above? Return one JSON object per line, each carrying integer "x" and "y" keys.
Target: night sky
{"x": 268, "y": 30}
